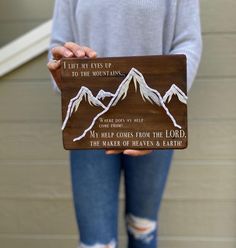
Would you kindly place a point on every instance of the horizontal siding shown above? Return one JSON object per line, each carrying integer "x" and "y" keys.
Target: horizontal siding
{"x": 205, "y": 92}
{"x": 31, "y": 141}
{"x": 198, "y": 218}
{"x": 202, "y": 180}
{"x": 19, "y": 17}
{"x": 29, "y": 102}
{"x": 207, "y": 140}
{"x": 15, "y": 23}
{"x": 25, "y": 10}
{"x": 36, "y": 69}
{"x": 213, "y": 20}
{"x": 39, "y": 241}
{"x": 218, "y": 16}
{"x": 188, "y": 180}
{"x": 210, "y": 140}
{"x": 37, "y": 217}
{"x": 197, "y": 242}
{"x": 177, "y": 218}
{"x": 218, "y": 60}
{"x": 43, "y": 182}
{"x": 62, "y": 241}
{"x": 212, "y": 98}
{"x": 12, "y": 30}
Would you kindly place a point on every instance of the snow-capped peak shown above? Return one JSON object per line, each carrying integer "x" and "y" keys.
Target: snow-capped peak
{"x": 146, "y": 92}
{"x": 103, "y": 94}
{"x": 175, "y": 90}
{"x": 87, "y": 95}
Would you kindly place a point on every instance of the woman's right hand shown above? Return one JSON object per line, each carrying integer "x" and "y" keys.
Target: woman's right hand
{"x": 69, "y": 50}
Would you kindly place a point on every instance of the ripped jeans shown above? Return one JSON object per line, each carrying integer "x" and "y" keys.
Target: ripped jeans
{"x": 95, "y": 186}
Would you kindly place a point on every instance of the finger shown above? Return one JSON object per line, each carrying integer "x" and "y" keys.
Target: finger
{"x": 60, "y": 51}
{"x": 137, "y": 152}
{"x": 112, "y": 152}
{"x": 53, "y": 65}
{"x": 89, "y": 52}
{"x": 54, "y": 68}
{"x": 80, "y": 51}
{"x": 77, "y": 50}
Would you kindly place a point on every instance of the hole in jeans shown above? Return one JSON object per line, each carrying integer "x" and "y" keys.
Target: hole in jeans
{"x": 112, "y": 244}
{"x": 141, "y": 228}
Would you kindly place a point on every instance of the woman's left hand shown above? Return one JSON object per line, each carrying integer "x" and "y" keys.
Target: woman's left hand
{"x": 129, "y": 152}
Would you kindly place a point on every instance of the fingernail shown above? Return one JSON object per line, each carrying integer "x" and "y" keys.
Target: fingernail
{"x": 93, "y": 54}
{"x": 79, "y": 53}
{"x": 68, "y": 53}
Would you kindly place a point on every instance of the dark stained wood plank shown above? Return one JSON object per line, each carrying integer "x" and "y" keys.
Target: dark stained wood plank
{"x": 124, "y": 102}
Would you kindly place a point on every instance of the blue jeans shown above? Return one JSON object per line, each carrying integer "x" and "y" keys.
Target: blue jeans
{"x": 95, "y": 186}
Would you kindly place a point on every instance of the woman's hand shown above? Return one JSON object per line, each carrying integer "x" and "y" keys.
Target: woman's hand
{"x": 129, "y": 152}
{"x": 69, "y": 50}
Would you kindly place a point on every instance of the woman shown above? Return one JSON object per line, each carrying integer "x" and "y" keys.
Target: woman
{"x": 91, "y": 28}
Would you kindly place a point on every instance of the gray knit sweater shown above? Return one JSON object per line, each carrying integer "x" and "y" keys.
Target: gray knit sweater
{"x": 131, "y": 27}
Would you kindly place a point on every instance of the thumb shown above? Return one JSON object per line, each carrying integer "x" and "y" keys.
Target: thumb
{"x": 54, "y": 68}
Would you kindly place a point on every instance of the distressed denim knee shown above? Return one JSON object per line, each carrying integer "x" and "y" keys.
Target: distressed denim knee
{"x": 111, "y": 244}
{"x": 141, "y": 228}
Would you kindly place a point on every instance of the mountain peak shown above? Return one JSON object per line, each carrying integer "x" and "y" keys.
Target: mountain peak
{"x": 147, "y": 93}
{"x": 175, "y": 90}
{"x": 103, "y": 94}
{"x": 87, "y": 95}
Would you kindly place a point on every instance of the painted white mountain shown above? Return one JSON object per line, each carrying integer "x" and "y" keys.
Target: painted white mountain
{"x": 83, "y": 94}
{"x": 103, "y": 94}
{"x": 153, "y": 96}
{"x": 147, "y": 93}
{"x": 175, "y": 90}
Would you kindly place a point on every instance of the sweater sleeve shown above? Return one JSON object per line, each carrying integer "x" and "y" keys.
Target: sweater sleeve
{"x": 187, "y": 37}
{"x": 61, "y": 29}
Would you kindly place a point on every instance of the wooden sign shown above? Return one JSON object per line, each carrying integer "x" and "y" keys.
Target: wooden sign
{"x": 124, "y": 102}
